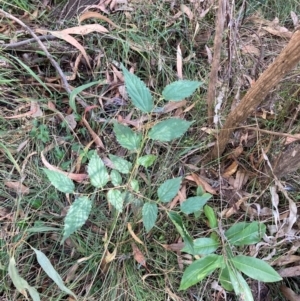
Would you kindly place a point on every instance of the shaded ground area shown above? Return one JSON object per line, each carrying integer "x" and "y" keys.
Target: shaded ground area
{"x": 255, "y": 179}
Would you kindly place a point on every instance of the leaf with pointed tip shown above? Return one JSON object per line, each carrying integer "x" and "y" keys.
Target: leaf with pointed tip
{"x": 115, "y": 198}
{"x": 149, "y": 212}
{"x": 60, "y": 181}
{"x": 77, "y": 215}
{"x": 120, "y": 164}
{"x": 199, "y": 269}
{"x": 20, "y": 283}
{"x": 138, "y": 92}
{"x": 168, "y": 190}
{"x": 127, "y": 137}
{"x": 116, "y": 178}
{"x": 255, "y": 268}
{"x": 169, "y": 129}
{"x": 194, "y": 204}
{"x": 147, "y": 160}
{"x": 51, "y": 272}
{"x": 180, "y": 89}
{"x": 97, "y": 171}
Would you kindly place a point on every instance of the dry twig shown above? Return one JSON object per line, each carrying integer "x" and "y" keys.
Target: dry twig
{"x": 49, "y": 56}
{"x": 285, "y": 62}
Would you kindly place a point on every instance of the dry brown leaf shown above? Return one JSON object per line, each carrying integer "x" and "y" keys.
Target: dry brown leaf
{"x": 109, "y": 257}
{"x": 70, "y": 119}
{"x": 230, "y": 170}
{"x": 240, "y": 180}
{"x": 290, "y": 140}
{"x": 72, "y": 41}
{"x": 35, "y": 109}
{"x": 138, "y": 255}
{"x": 187, "y": 11}
{"x": 279, "y": 31}
{"x": 289, "y": 294}
{"x": 134, "y": 236}
{"x": 201, "y": 182}
{"x": 285, "y": 260}
{"x": 17, "y": 186}
{"x": 250, "y": 49}
{"x": 90, "y": 14}
{"x": 174, "y": 105}
{"x": 179, "y": 62}
{"x": 234, "y": 209}
{"x": 295, "y": 19}
{"x": 176, "y": 247}
{"x": 83, "y": 29}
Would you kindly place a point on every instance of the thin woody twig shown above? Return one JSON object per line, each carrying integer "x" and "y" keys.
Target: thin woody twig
{"x": 211, "y": 95}
{"x": 49, "y": 56}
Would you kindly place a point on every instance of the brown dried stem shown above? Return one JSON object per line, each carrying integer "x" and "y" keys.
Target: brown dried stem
{"x": 213, "y": 77}
{"x": 285, "y": 62}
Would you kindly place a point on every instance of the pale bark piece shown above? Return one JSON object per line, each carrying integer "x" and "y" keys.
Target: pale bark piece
{"x": 285, "y": 62}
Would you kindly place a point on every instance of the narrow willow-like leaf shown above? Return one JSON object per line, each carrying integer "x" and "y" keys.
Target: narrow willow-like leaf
{"x": 60, "y": 181}
{"x": 211, "y": 216}
{"x": 168, "y": 190}
{"x": 240, "y": 286}
{"x": 149, "y": 212}
{"x": 138, "y": 92}
{"x": 179, "y": 90}
{"x": 194, "y": 204}
{"x": 115, "y": 198}
{"x": 77, "y": 215}
{"x": 177, "y": 221}
{"x": 169, "y": 129}
{"x": 147, "y": 160}
{"x": 51, "y": 272}
{"x": 20, "y": 283}
{"x": 255, "y": 268}
{"x": 199, "y": 269}
{"x": 120, "y": 164}
{"x": 203, "y": 246}
{"x": 225, "y": 279}
{"x": 127, "y": 137}
{"x": 78, "y": 90}
{"x": 244, "y": 233}
{"x": 115, "y": 178}
{"x": 97, "y": 171}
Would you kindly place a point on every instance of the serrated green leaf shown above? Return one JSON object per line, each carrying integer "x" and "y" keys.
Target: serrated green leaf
{"x": 120, "y": 164}
{"x": 115, "y": 178}
{"x": 255, "y": 268}
{"x": 199, "y": 269}
{"x": 168, "y": 190}
{"x": 135, "y": 185}
{"x": 20, "y": 283}
{"x": 244, "y": 233}
{"x": 138, "y": 92}
{"x": 180, "y": 89}
{"x": 127, "y": 137}
{"x": 177, "y": 221}
{"x": 149, "y": 212}
{"x": 51, "y": 272}
{"x": 169, "y": 129}
{"x": 77, "y": 215}
{"x": 211, "y": 216}
{"x": 97, "y": 171}
{"x": 60, "y": 181}
{"x": 115, "y": 198}
{"x": 146, "y": 160}
{"x": 203, "y": 246}
{"x": 194, "y": 204}
{"x": 225, "y": 279}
